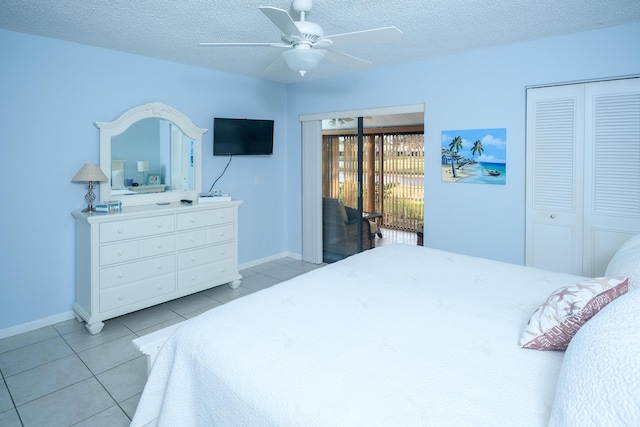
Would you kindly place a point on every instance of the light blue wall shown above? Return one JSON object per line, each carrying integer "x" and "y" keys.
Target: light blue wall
{"x": 471, "y": 90}
{"x": 51, "y": 93}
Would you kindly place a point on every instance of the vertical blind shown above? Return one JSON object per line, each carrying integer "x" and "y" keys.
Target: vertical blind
{"x": 393, "y": 175}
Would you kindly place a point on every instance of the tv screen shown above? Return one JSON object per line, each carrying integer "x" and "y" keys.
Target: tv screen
{"x": 242, "y": 137}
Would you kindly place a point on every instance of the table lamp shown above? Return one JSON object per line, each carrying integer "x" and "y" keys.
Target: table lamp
{"x": 143, "y": 166}
{"x": 90, "y": 173}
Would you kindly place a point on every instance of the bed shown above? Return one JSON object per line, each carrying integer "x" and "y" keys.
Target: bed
{"x": 399, "y": 335}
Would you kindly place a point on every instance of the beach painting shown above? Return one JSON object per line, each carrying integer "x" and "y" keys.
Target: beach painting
{"x": 475, "y": 156}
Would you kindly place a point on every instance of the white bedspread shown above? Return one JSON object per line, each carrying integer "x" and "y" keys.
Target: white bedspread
{"x": 599, "y": 383}
{"x": 396, "y": 336}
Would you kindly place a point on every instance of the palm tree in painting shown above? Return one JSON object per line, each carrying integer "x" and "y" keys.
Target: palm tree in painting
{"x": 477, "y": 148}
{"x": 454, "y": 147}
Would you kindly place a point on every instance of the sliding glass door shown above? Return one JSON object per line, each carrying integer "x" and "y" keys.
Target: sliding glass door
{"x": 345, "y": 230}
{"x": 378, "y": 172}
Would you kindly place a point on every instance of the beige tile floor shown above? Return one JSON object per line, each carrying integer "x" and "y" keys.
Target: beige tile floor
{"x": 61, "y": 375}
{"x": 395, "y": 236}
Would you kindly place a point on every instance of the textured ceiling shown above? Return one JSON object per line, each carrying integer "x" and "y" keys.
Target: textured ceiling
{"x": 172, "y": 29}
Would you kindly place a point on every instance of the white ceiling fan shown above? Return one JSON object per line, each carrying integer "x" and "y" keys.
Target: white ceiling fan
{"x": 305, "y": 42}
{"x": 344, "y": 120}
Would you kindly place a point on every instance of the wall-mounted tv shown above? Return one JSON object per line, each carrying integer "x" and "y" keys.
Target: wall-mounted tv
{"x": 242, "y": 137}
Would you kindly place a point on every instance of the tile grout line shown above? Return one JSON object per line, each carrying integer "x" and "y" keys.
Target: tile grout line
{"x": 13, "y": 402}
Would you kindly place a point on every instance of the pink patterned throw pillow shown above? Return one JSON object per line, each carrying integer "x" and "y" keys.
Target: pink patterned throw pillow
{"x": 555, "y": 322}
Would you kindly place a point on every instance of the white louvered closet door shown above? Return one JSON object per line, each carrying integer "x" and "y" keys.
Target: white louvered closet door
{"x": 555, "y": 122}
{"x": 612, "y": 170}
{"x": 583, "y": 174}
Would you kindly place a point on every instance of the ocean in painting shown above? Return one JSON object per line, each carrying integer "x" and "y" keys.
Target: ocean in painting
{"x": 480, "y": 173}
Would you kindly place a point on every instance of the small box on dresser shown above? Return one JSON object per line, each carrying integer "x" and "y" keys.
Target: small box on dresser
{"x": 147, "y": 255}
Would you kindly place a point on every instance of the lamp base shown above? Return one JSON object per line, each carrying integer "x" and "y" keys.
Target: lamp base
{"x": 89, "y": 197}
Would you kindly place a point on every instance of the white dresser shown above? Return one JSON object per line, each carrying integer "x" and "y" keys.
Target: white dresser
{"x": 146, "y": 255}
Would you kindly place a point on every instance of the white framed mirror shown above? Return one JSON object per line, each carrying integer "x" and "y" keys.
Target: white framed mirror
{"x": 151, "y": 154}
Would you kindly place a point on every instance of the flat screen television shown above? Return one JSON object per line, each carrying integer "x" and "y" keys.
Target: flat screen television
{"x": 242, "y": 137}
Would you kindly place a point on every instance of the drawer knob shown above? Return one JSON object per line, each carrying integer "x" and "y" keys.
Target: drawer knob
{"x": 120, "y": 230}
{"x": 193, "y": 258}
{"x": 120, "y": 297}
{"x": 193, "y": 239}
{"x": 159, "y": 225}
{"x": 120, "y": 253}
{"x": 192, "y": 220}
{"x": 120, "y": 275}
{"x": 193, "y": 277}
{"x": 159, "y": 266}
{"x": 222, "y": 252}
{"x": 159, "y": 246}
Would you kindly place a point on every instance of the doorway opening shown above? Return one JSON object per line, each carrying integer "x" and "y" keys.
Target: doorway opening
{"x": 376, "y": 168}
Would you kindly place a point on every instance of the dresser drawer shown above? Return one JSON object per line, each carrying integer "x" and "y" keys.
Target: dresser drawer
{"x": 206, "y": 273}
{"x": 131, "y": 293}
{"x": 119, "y": 252}
{"x": 223, "y": 233}
{"x": 187, "y": 221}
{"x": 134, "y": 271}
{"x": 212, "y": 235}
{"x": 134, "y": 228}
{"x": 191, "y": 239}
{"x": 204, "y": 255}
{"x": 132, "y": 250}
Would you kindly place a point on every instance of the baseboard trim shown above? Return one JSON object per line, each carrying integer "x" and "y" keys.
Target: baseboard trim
{"x": 269, "y": 259}
{"x": 36, "y": 324}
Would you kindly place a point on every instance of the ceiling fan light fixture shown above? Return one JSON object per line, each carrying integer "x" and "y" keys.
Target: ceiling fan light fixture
{"x": 303, "y": 60}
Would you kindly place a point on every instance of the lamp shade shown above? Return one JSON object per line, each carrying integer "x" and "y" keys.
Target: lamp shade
{"x": 303, "y": 60}
{"x": 90, "y": 172}
{"x": 143, "y": 166}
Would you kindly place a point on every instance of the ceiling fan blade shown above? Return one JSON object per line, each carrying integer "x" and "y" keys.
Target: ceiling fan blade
{"x": 346, "y": 60}
{"x": 246, "y": 44}
{"x": 276, "y": 65}
{"x": 385, "y": 34}
{"x": 282, "y": 20}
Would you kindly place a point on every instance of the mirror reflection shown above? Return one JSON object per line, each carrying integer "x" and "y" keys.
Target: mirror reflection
{"x": 152, "y": 156}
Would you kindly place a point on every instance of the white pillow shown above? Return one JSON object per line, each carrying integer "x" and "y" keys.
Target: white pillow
{"x": 117, "y": 180}
{"x": 599, "y": 382}
{"x": 626, "y": 262}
